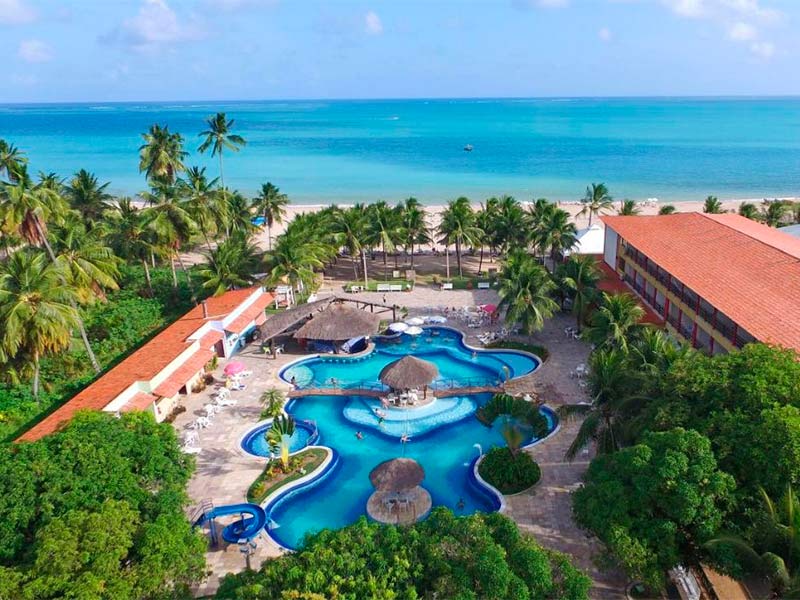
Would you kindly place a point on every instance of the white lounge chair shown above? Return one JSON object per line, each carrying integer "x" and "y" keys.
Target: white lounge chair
{"x": 191, "y": 449}
{"x": 227, "y": 402}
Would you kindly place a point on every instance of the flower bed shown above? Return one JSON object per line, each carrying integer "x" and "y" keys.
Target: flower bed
{"x": 273, "y": 476}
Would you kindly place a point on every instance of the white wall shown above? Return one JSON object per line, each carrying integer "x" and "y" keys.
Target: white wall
{"x": 610, "y": 248}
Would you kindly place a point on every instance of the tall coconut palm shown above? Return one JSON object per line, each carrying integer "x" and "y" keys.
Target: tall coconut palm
{"x": 26, "y": 210}
{"x": 712, "y": 205}
{"x": 616, "y": 322}
{"x": 130, "y": 237}
{"x": 230, "y": 265}
{"x": 526, "y": 292}
{"x": 629, "y": 208}
{"x": 458, "y": 227}
{"x": 89, "y": 266}
{"x": 413, "y": 227}
{"x": 201, "y": 201}
{"x": 11, "y": 159}
{"x": 350, "y": 226}
{"x": 595, "y": 201}
{"x": 161, "y": 155}
{"x": 773, "y": 212}
{"x": 218, "y": 137}
{"x": 557, "y": 233}
{"x": 51, "y": 181}
{"x": 271, "y": 204}
{"x": 239, "y": 214}
{"x": 748, "y": 210}
{"x": 88, "y": 196}
{"x": 775, "y": 551}
{"x": 578, "y": 278}
{"x": 667, "y": 209}
{"x": 509, "y": 227}
{"x": 383, "y": 228}
{"x": 612, "y": 385}
{"x": 538, "y": 215}
{"x": 293, "y": 260}
{"x": 37, "y": 310}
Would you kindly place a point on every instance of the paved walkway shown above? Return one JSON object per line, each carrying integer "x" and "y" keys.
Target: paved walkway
{"x": 224, "y": 472}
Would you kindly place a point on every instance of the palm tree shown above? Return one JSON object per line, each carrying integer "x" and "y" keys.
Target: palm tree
{"x": 615, "y": 322}
{"x": 350, "y": 227}
{"x": 612, "y": 385}
{"x": 26, "y": 209}
{"x": 595, "y": 201}
{"x": 272, "y": 205}
{"x": 51, "y": 181}
{"x": 161, "y": 155}
{"x": 293, "y": 260}
{"x": 712, "y": 205}
{"x": 11, "y": 159}
{"x": 230, "y": 265}
{"x": 413, "y": 228}
{"x": 558, "y": 233}
{"x": 749, "y": 210}
{"x": 88, "y": 196}
{"x": 458, "y": 226}
{"x": 218, "y": 137}
{"x": 526, "y": 292}
{"x": 509, "y": 225}
{"x": 773, "y": 212}
{"x": 129, "y": 235}
{"x": 279, "y": 436}
{"x": 37, "y": 310}
{"x": 775, "y": 552}
{"x": 667, "y": 209}
{"x": 239, "y": 214}
{"x": 538, "y": 215}
{"x": 578, "y": 279}
{"x": 201, "y": 201}
{"x": 629, "y": 208}
{"x": 383, "y": 228}
{"x": 88, "y": 265}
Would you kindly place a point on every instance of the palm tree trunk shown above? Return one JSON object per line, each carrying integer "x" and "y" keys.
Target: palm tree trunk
{"x": 36, "y": 376}
{"x": 355, "y": 266}
{"x": 269, "y": 235}
{"x": 480, "y": 262}
{"x": 458, "y": 256}
{"x": 81, "y": 328}
{"x": 174, "y": 275}
{"x": 224, "y": 195}
{"x": 364, "y": 258}
{"x": 147, "y": 277}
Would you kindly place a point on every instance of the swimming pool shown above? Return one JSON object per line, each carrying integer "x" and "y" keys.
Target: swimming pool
{"x": 445, "y": 448}
{"x": 254, "y": 441}
{"x": 458, "y": 364}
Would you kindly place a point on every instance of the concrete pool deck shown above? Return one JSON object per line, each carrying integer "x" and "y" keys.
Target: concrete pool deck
{"x": 224, "y": 472}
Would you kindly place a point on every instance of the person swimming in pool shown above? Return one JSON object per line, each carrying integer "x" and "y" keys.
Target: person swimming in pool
{"x": 405, "y": 438}
{"x": 359, "y": 435}
{"x": 460, "y": 504}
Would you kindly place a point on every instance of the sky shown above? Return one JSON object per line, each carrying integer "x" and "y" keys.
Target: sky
{"x": 182, "y": 50}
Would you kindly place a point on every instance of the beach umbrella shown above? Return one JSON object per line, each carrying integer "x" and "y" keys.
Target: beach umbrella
{"x": 233, "y": 368}
{"x": 398, "y": 327}
{"x": 414, "y": 330}
{"x": 408, "y": 372}
{"x": 415, "y": 321}
{"x": 489, "y": 308}
{"x": 397, "y": 475}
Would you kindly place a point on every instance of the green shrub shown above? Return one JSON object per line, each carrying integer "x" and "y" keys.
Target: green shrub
{"x": 517, "y": 408}
{"x": 539, "y": 351}
{"x": 509, "y": 472}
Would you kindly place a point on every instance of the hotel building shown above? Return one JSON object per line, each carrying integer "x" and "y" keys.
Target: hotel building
{"x": 718, "y": 281}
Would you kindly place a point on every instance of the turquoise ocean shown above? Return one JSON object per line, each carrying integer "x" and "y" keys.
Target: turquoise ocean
{"x": 348, "y": 151}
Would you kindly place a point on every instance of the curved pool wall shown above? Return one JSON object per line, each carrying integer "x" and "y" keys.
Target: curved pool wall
{"x": 457, "y": 362}
{"x": 337, "y": 496}
{"x": 253, "y": 442}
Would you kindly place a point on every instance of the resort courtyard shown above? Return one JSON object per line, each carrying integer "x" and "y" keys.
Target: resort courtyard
{"x": 225, "y": 471}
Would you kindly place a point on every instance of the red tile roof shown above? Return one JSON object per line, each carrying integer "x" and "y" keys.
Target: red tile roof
{"x": 140, "y": 401}
{"x": 176, "y": 380}
{"x": 611, "y": 283}
{"x": 142, "y": 365}
{"x": 747, "y": 270}
{"x": 249, "y": 314}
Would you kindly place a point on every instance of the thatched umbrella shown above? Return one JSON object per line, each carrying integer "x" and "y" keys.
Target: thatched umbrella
{"x": 339, "y": 322}
{"x": 397, "y": 475}
{"x": 408, "y": 372}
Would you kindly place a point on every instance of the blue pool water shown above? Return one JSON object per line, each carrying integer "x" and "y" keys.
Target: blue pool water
{"x": 256, "y": 443}
{"x": 445, "y": 451}
{"x": 441, "y": 345}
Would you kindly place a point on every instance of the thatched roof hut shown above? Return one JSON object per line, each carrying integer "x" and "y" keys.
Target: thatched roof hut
{"x": 408, "y": 372}
{"x": 339, "y": 322}
{"x": 397, "y": 475}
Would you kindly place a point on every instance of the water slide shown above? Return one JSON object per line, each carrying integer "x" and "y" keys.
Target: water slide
{"x": 252, "y": 521}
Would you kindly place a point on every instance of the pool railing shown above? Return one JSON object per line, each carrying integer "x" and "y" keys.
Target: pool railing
{"x": 375, "y": 386}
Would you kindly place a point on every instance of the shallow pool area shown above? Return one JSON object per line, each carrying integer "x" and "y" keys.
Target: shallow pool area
{"x": 446, "y": 449}
{"x": 254, "y": 441}
{"x": 459, "y": 365}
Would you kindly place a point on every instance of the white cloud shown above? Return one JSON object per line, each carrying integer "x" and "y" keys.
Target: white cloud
{"x": 16, "y": 12}
{"x": 763, "y": 49}
{"x": 687, "y": 8}
{"x": 373, "y": 24}
{"x": 604, "y": 34}
{"x": 742, "y": 32}
{"x": 156, "y": 25}
{"x": 34, "y": 51}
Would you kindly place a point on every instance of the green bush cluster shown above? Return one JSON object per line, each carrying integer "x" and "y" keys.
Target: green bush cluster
{"x": 517, "y": 408}
{"x": 539, "y": 351}
{"x": 479, "y": 556}
{"x": 510, "y": 472}
{"x": 96, "y": 511}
